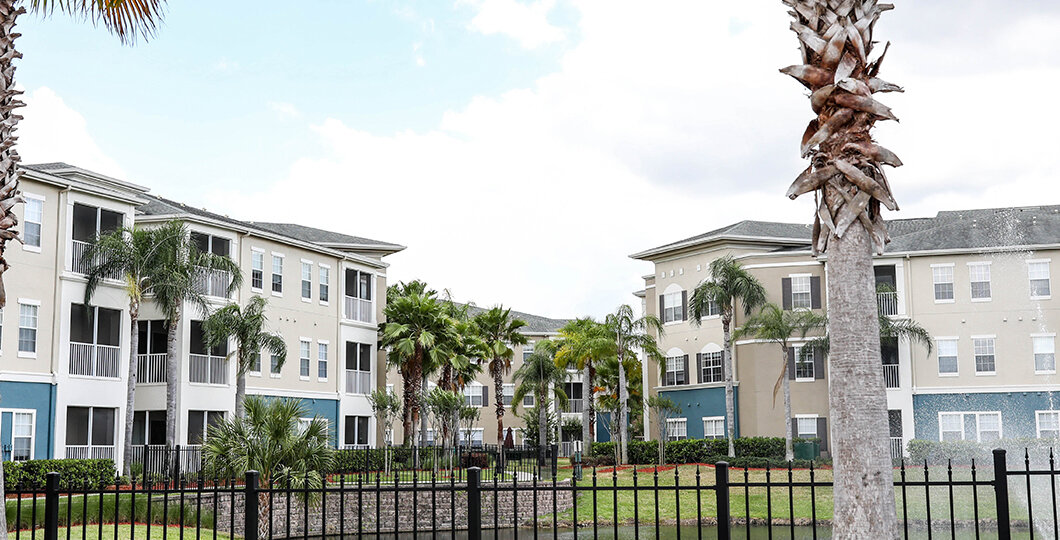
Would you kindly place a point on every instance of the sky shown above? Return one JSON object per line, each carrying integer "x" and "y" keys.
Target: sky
{"x": 523, "y": 149}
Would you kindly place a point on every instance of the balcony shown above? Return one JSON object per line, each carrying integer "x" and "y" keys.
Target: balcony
{"x": 91, "y": 360}
{"x": 887, "y": 302}
{"x": 78, "y": 263}
{"x": 897, "y": 448}
{"x": 890, "y": 375}
{"x": 90, "y": 452}
{"x": 208, "y": 369}
{"x": 151, "y": 368}
{"x": 358, "y": 309}
{"x": 212, "y": 283}
{"x": 358, "y": 382}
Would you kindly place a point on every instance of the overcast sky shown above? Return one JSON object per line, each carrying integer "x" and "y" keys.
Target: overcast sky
{"x": 522, "y": 150}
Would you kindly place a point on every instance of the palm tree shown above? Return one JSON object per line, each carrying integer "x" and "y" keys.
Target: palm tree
{"x": 177, "y": 282}
{"x": 462, "y": 365}
{"x": 582, "y": 344}
{"x": 499, "y": 331}
{"x": 775, "y": 325}
{"x": 385, "y": 407}
{"x": 727, "y": 283}
{"x": 846, "y": 175}
{"x": 630, "y": 334}
{"x": 134, "y": 254}
{"x": 663, "y": 408}
{"x": 539, "y": 376}
{"x": 247, "y": 326}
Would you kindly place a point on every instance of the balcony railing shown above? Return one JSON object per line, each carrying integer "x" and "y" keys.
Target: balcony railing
{"x": 897, "y": 448}
{"x": 94, "y": 360}
{"x": 887, "y": 302}
{"x": 358, "y": 382}
{"x": 359, "y": 309}
{"x": 151, "y": 368}
{"x": 890, "y": 375}
{"x": 575, "y": 406}
{"x": 80, "y": 266}
{"x": 212, "y": 283}
{"x": 208, "y": 369}
{"x": 89, "y": 452}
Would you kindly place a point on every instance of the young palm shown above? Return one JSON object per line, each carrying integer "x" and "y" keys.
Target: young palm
{"x": 465, "y": 348}
{"x": 499, "y": 331}
{"x": 727, "y": 283}
{"x": 663, "y": 408}
{"x": 247, "y": 326}
{"x": 176, "y": 283}
{"x": 582, "y": 344}
{"x": 775, "y": 325}
{"x": 630, "y": 335}
{"x": 133, "y": 254}
{"x": 540, "y": 376}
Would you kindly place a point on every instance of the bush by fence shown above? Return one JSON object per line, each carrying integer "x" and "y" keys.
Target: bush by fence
{"x": 750, "y": 452}
{"x": 76, "y": 473}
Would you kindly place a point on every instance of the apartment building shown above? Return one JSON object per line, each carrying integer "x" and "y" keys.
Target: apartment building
{"x": 978, "y": 281}
{"x": 63, "y": 380}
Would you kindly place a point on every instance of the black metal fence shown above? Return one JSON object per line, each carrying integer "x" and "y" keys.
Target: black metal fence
{"x": 689, "y": 501}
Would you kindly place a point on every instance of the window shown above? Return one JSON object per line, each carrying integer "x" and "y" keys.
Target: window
{"x": 31, "y": 227}
{"x": 676, "y": 429}
{"x": 21, "y": 435}
{"x": 307, "y": 281}
{"x": 255, "y": 364}
{"x": 528, "y": 400}
{"x": 1044, "y": 354}
{"x": 947, "y": 353}
{"x": 951, "y": 426}
{"x": 356, "y": 432}
{"x": 472, "y": 437}
{"x": 714, "y": 427}
{"x": 208, "y": 243}
{"x": 358, "y": 368}
{"x": 277, "y": 274}
{"x": 95, "y": 336}
{"x": 712, "y": 367}
{"x": 473, "y": 394}
{"x": 199, "y": 423}
{"x": 1038, "y": 272}
{"x": 303, "y": 358}
{"x": 979, "y": 276}
{"x": 673, "y": 307}
{"x": 675, "y": 370}
{"x": 988, "y": 426}
{"x": 528, "y": 349}
{"x": 806, "y": 427}
{"x": 149, "y": 427}
{"x": 508, "y": 394}
{"x": 942, "y": 276}
{"x": 90, "y": 432}
{"x": 257, "y": 269}
{"x": 803, "y": 364}
{"x": 325, "y": 280}
{"x": 984, "y": 355}
{"x": 90, "y": 222}
{"x": 800, "y": 292}
{"x": 322, "y": 361}
{"x": 358, "y": 284}
{"x": 276, "y": 362}
{"x": 27, "y": 329}
{"x": 1048, "y": 424}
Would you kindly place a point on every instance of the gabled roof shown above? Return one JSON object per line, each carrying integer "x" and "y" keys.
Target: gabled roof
{"x": 766, "y": 232}
{"x": 535, "y": 324}
{"x": 328, "y": 238}
{"x": 67, "y": 175}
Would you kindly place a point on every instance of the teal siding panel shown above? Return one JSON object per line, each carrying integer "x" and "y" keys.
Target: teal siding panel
{"x": 1017, "y": 411}
{"x": 697, "y": 403}
{"x": 39, "y": 397}
{"x": 322, "y": 408}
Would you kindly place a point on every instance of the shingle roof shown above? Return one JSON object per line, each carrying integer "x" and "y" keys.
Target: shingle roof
{"x": 328, "y": 238}
{"x": 747, "y": 229}
{"x": 535, "y": 324}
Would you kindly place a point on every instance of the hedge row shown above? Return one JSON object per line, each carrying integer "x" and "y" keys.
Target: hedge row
{"x": 963, "y": 452}
{"x": 754, "y": 451}
{"x": 73, "y": 473}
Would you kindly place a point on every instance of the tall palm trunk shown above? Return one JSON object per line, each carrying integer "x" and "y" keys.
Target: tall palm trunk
{"x": 592, "y": 407}
{"x": 586, "y": 415}
{"x": 785, "y": 383}
{"x": 730, "y": 394}
{"x": 172, "y": 381}
{"x": 423, "y": 417}
{"x": 542, "y": 425}
{"x": 241, "y": 390}
{"x": 412, "y": 396}
{"x": 498, "y": 394}
{"x": 623, "y": 406}
{"x": 130, "y": 393}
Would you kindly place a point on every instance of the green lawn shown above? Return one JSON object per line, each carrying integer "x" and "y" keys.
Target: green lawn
{"x": 109, "y": 508}
{"x": 124, "y": 532}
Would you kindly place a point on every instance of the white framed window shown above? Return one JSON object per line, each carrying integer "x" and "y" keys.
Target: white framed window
{"x": 714, "y": 427}
{"x": 804, "y": 370}
{"x": 22, "y": 428}
{"x": 473, "y": 394}
{"x": 274, "y": 365}
{"x": 951, "y": 426}
{"x": 307, "y": 281}
{"x": 1047, "y": 424}
{"x": 303, "y": 424}
{"x": 255, "y": 365}
{"x": 528, "y": 400}
{"x": 806, "y": 427}
{"x": 27, "y": 328}
{"x": 712, "y": 371}
{"x": 325, "y": 284}
{"x": 675, "y": 370}
{"x": 673, "y": 307}
{"x": 946, "y": 349}
{"x": 1038, "y": 274}
{"x": 474, "y": 436}
{"x": 528, "y": 349}
{"x": 322, "y": 360}
{"x": 983, "y": 348}
{"x": 988, "y": 426}
{"x": 1044, "y": 347}
{"x": 979, "y": 279}
{"x": 257, "y": 269}
{"x": 942, "y": 277}
{"x": 676, "y": 429}
{"x": 508, "y": 393}
{"x": 800, "y": 291}
{"x": 303, "y": 358}
{"x": 277, "y": 274}
{"x": 33, "y": 223}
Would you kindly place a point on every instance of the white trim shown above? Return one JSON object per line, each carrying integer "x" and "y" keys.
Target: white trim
{"x": 42, "y": 199}
{"x": 991, "y": 389}
{"x": 983, "y": 336}
{"x": 281, "y": 392}
{"x": 29, "y": 302}
{"x": 942, "y": 265}
{"x": 1043, "y": 334}
{"x": 781, "y": 265}
{"x": 792, "y": 340}
{"x": 33, "y": 428}
{"x": 799, "y": 275}
{"x": 1029, "y": 261}
{"x": 1038, "y": 422}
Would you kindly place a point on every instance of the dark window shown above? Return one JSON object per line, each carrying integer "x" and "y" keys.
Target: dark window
{"x": 84, "y": 223}
{"x": 103, "y": 426}
{"x": 95, "y": 325}
{"x": 81, "y": 323}
{"x": 108, "y": 327}
{"x": 153, "y": 336}
{"x": 77, "y": 426}
{"x": 149, "y": 427}
{"x": 198, "y": 342}
{"x": 358, "y": 284}
{"x": 201, "y": 242}
{"x": 220, "y": 246}
{"x": 199, "y": 422}
{"x": 109, "y": 221}
{"x": 356, "y": 430}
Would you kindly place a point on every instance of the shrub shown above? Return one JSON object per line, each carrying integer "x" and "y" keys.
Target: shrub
{"x": 73, "y": 473}
{"x": 602, "y": 449}
{"x": 643, "y": 452}
{"x": 687, "y": 451}
{"x": 762, "y": 447}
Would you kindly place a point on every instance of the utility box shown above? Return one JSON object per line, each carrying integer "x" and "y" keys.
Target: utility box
{"x": 807, "y": 450}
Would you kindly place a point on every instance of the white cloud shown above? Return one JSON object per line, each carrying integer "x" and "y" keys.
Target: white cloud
{"x": 284, "y": 109}
{"x": 52, "y": 131}
{"x": 526, "y": 22}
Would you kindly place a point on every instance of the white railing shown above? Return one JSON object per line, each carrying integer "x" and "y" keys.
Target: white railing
{"x": 151, "y": 368}
{"x": 358, "y": 309}
{"x": 358, "y": 382}
{"x": 890, "y": 375}
{"x": 897, "y": 448}
{"x": 355, "y": 447}
{"x": 79, "y": 265}
{"x": 94, "y": 360}
{"x": 208, "y": 369}
{"x": 89, "y": 452}
{"x": 212, "y": 283}
{"x": 575, "y": 405}
{"x": 887, "y": 302}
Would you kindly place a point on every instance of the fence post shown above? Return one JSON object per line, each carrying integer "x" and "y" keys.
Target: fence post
{"x": 1004, "y": 531}
{"x": 555, "y": 458}
{"x": 176, "y": 465}
{"x": 721, "y": 491}
{"x": 250, "y": 506}
{"x": 51, "y": 506}
{"x": 474, "y": 503}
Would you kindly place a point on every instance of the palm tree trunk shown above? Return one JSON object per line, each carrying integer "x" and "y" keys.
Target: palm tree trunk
{"x": 412, "y": 396}
{"x": 730, "y": 398}
{"x": 241, "y": 392}
{"x": 864, "y": 483}
{"x": 130, "y": 393}
{"x": 623, "y": 397}
{"x": 591, "y": 406}
{"x": 586, "y": 417}
{"x": 498, "y": 394}
{"x": 423, "y": 417}
{"x": 9, "y": 172}
{"x": 542, "y": 426}
{"x": 789, "y": 453}
{"x": 172, "y": 381}
{"x": 406, "y": 409}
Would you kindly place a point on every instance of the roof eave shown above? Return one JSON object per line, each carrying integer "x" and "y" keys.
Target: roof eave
{"x": 649, "y": 254}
